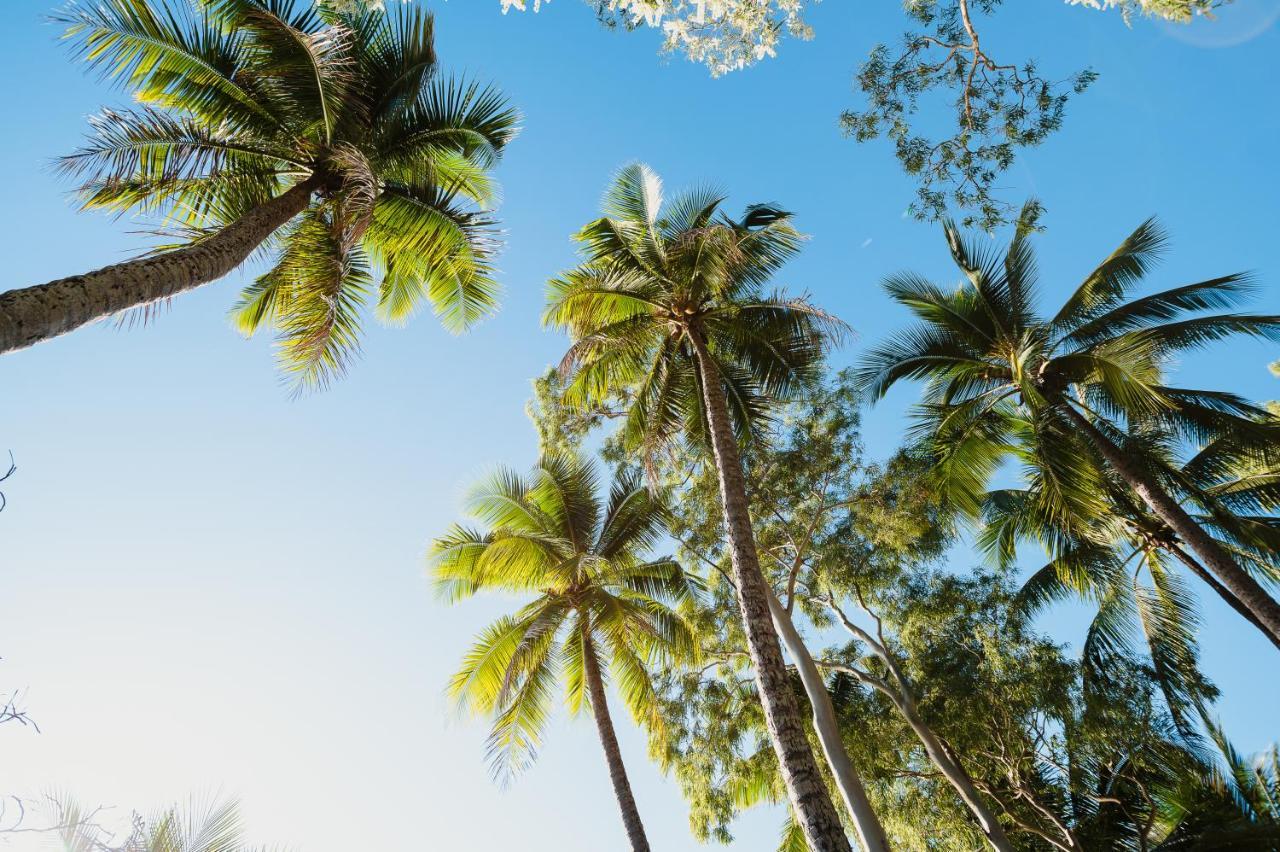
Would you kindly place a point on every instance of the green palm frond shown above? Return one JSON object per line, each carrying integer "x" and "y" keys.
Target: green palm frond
{"x": 171, "y": 57}
{"x": 656, "y": 278}
{"x": 243, "y": 99}
{"x": 1166, "y": 613}
{"x": 1114, "y": 278}
{"x": 551, "y": 536}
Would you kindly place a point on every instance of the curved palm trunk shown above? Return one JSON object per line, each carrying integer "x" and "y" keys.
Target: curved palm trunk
{"x": 805, "y": 787}
{"x": 1248, "y": 591}
{"x": 1196, "y": 568}
{"x": 824, "y": 722}
{"x": 34, "y": 314}
{"x": 612, "y": 754}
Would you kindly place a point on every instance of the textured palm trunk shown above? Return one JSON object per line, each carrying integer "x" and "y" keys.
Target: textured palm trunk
{"x": 34, "y": 314}
{"x": 1213, "y": 555}
{"x": 1228, "y": 598}
{"x": 806, "y": 789}
{"x": 824, "y": 722}
{"x": 612, "y": 754}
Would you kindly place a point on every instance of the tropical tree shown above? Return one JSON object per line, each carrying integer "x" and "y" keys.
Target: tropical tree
{"x": 830, "y": 528}
{"x": 331, "y": 139}
{"x": 200, "y": 827}
{"x": 668, "y": 311}
{"x": 1066, "y": 389}
{"x": 1125, "y": 558}
{"x": 599, "y": 602}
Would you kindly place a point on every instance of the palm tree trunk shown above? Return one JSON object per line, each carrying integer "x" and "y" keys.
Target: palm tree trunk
{"x": 34, "y": 314}
{"x": 1212, "y": 555}
{"x": 806, "y": 789}
{"x": 612, "y": 754}
{"x": 824, "y": 722}
{"x": 1196, "y": 568}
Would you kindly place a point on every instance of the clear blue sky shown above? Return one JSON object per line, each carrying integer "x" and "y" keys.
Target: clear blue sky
{"x": 207, "y": 586}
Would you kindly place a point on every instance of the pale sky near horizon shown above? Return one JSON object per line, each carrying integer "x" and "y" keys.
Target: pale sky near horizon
{"x": 206, "y": 586}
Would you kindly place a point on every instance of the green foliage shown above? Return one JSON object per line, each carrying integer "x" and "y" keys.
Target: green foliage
{"x": 242, "y": 99}
{"x": 582, "y": 559}
{"x": 825, "y": 519}
{"x": 200, "y": 827}
{"x": 658, "y": 281}
{"x": 999, "y": 108}
{"x": 999, "y": 376}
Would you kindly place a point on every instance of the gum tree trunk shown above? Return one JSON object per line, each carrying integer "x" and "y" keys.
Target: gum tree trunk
{"x": 903, "y": 698}
{"x": 824, "y": 722}
{"x": 1213, "y": 556}
{"x": 34, "y": 314}
{"x": 612, "y": 754}
{"x": 806, "y": 788}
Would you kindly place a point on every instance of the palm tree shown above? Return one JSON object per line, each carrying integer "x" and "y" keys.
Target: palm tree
{"x": 1232, "y": 803}
{"x": 669, "y": 313}
{"x": 1066, "y": 388}
{"x": 200, "y": 827}
{"x": 597, "y": 598}
{"x": 331, "y": 139}
{"x": 1105, "y": 557}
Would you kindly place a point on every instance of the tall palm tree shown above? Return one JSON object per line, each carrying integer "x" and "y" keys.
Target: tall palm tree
{"x": 331, "y": 139}
{"x": 669, "y": 312}
{"x": 1000, "y": 375}
{"x": 598, "y": 598}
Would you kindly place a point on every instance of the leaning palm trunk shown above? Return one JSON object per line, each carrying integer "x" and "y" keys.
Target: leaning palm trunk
{"x": 824, "y": 722}
{"x": 612, "y": 754}
{"x": 1214, "y": 557}
{"x": 34, "y": 314}
{"x": 806, "y": 788}
{"x": 1231, "y": 600}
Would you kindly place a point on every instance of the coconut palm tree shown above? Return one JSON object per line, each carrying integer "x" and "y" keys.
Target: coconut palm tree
{"x": 668, "y": 313}
{"x": 999, "y": 375}
{"x": 598, "y": 602}
{"x": 333, "y": 140}
{"x": 1105, "y": 557}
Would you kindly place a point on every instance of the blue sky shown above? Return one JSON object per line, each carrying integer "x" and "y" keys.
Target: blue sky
{"x": 208, "y": 586}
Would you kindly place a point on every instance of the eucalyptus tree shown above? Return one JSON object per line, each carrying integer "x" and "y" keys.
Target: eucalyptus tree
{"x": 997, "y": 104}
{"x": 669, "y": 315}
{"x": 332, "y": 140}
{"x": 597, "y": 601}
{"x": 1000, "y": 376}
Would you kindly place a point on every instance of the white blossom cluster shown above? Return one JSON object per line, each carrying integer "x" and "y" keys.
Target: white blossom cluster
{"x": 724, "y": 35}
{"x": 1171, "y": 10}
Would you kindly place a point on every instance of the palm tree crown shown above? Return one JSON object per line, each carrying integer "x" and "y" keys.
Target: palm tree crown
{"x": 989, "y": 358}
{"x": 659, "y": 280}
{"x": 1074, "y": 393}
{"x": 596, "y": 596}
{"x": 242, "y": 99}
